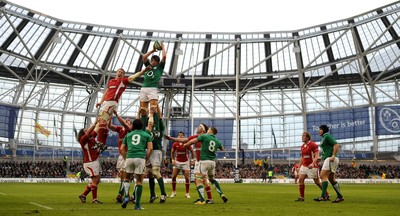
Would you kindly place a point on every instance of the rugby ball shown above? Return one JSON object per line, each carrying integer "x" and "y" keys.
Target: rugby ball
{"x": 157, "y": 45}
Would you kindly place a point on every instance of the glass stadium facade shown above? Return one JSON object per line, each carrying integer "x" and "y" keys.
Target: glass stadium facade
{"x": 261, "y": 89}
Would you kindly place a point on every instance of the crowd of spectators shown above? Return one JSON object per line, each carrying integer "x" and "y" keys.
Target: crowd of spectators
{"x": 32, "y": 169}
{"x": 347, "y": 171}
{"x": 54, "y": 169}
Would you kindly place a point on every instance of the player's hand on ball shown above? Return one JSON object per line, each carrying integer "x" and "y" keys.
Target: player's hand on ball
{"x": 157, "y": 45}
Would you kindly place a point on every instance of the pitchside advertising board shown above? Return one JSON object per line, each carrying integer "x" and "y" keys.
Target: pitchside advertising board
{"x": 8, "y": 121}
{"x": 353, "y": 123}
{"x": 387, "y": 120}
{"x": 343, "y": 124}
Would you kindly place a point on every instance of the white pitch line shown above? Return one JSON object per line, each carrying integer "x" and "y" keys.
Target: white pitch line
{"x": 46, "y": 207}
{"x": 2, "y": 193}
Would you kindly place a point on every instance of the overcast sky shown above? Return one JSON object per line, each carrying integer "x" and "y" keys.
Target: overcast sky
{"x": 204, "y": 15}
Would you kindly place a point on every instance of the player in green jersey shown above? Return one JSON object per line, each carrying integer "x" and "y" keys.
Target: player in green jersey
{"x": 155, "y": 127}
{"x": 149, "y": 91}
{"x": 135, "y": 160}
{"x": 330, "y": 148}
{"x": 209, "y": 145}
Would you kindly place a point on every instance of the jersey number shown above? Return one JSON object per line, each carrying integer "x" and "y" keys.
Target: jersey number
{"x": 135, "y": 139}
{"x": 211, "y": 146}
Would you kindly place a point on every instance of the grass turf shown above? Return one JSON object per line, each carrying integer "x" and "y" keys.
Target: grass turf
{"x": 61, "y": 199}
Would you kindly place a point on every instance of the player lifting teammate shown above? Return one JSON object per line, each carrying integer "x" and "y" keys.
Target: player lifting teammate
{"x": 155, "y": 127}
{"x": 139, "y": 147}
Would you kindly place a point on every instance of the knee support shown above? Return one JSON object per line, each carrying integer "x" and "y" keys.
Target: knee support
{"x": 199, "y": 176}
{"x": 156, "y": 172}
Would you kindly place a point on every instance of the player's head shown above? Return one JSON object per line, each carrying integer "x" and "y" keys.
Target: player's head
{"x": 212, "y": 130}
{"x": 80, "y": 134}
{"x": 128, "y": 121}
{"x": 155, "y": 60}
{"x": 137, "y": 124}
{"x": 143, "y": 111}
{"x": 323, "y": 129}
{"x": 306, "y": 136}
{"x": 181, "y": 134}
{"x": 202, "y": 128}
{"x": 120, "y": 73}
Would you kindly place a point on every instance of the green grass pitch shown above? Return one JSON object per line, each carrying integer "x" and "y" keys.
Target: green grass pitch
{"x": 244, "y": 199}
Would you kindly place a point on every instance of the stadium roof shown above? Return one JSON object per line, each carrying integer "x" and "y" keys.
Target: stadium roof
{"x": 355, "y": 50}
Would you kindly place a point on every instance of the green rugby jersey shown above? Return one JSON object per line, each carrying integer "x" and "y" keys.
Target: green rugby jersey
{"x": 137, "y": 143}
{"x": 209, "y": 145}
{"x": 326, "y": 145}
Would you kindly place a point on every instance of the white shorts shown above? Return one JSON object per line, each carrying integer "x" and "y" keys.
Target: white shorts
{"x": 207, "y": 167}
{"x": 310, "y": 173}
{"x": 331, "y": 166}
{"x": 92, "y": 168}
{"x": 120, "y": 164}
{"x": 155, "y": 158}
{"x": 135, "y": 165}
{"x": 182, "y": 165}
{"x": 147, "y": 94}
{"x": 196, "y": 166}
{"x": 109, "y": 106}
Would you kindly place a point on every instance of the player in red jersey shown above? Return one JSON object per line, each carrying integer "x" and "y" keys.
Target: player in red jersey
{"x": 122, "y": 131}
{"x": 295, "y": 171}
{"x": 109, "y": 102}
{"x": 308, "y": 164}
{"x": 181, "y": 163}
{"x": 91, "y": 162}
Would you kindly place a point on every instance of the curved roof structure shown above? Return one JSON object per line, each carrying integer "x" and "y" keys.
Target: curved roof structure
{"x": 54, "y": 71}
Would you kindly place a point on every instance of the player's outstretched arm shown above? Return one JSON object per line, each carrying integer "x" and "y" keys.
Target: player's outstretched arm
{"x": 111, "y": 126}
{"x": 191, "y": 142}
{"x": 138, "y": 74}
{"x": 122, "y": 121}
{"x": 91, "y": 128}
{"x": 176, "y": 139}
{"x": 123, "y": 150}
{"x": 164, "y": 53}
{"x": 146, "y": 55}
{"x": 102, "y": 99}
